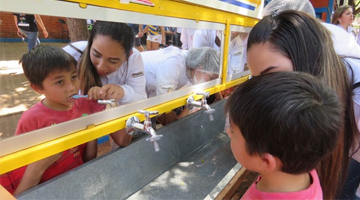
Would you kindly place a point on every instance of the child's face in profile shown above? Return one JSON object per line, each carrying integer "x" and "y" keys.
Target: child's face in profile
{"x": 238, "y": 148}
{"x": 58, "y": 88}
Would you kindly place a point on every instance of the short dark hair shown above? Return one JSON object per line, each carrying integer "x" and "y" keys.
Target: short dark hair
{"x": 291, "y": 115}
{"x": 39, "y": 62}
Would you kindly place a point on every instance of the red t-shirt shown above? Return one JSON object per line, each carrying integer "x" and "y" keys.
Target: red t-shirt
{"x": 314, "y": 191}
{"x": 40, "y": 116}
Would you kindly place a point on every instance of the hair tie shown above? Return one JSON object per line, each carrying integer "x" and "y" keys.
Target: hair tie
{"x": 275, "y": 13}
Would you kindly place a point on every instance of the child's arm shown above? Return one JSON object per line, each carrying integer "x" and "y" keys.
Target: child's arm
{"x": 34, "y": 172}
{"x": 90, "y": 151}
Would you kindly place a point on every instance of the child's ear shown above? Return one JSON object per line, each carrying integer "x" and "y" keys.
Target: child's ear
{"x": 269, "y": 162}
{"x": 36, "y": 88}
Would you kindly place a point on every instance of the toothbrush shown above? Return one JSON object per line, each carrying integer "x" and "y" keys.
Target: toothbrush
{"x": 79, "y": 96}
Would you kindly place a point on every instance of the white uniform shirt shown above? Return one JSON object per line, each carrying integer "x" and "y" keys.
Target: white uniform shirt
{"x": 343, "y": 45}
{"x": 187, "y": 37}
{"x": 164, "y": 67}
{"x": 235, "y": 59}
{"x": 130, "y": 75}
{"x": 354, "y": 72}
{"x": 205, "y": 38}
{"x": 80, "y": 45}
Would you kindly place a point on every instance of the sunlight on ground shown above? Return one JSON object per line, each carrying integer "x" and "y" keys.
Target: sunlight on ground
{"x": 20, "y": 89}
{"x": 10, "y": 67}
{"x": 19, "y": 108}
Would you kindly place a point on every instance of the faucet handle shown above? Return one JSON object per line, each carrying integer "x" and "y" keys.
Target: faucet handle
{"x": 210, "y": 113}
{"x": 109, "y": 101}
{"x": 205, "y": 94}
{"x": 145, "y": 112}
{"x": 154, "y": 139}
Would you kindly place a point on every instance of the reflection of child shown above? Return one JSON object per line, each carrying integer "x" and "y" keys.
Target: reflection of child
{"x": 281, "y": 125}
{"x": 52, "y": 72}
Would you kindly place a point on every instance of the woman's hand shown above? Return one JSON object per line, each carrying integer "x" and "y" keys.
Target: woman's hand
{"x": 109, "y": 91}
{"x": 94, "y": 93}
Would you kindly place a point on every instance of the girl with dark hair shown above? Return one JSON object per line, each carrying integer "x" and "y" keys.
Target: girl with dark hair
{"x": 111, "y": 68}
{"x": 295, "y": 41}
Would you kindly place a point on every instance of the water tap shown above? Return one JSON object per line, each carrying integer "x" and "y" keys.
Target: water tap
{"x": 169, "y": 88}
{"x": 190, "y": 103}
{"x": 133, "y": 126}
{"x": 110, "y": 102}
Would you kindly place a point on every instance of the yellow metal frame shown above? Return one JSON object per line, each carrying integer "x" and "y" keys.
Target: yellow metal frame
{"x": 178, "y": 9}
{"x": 32, "y": 154}
{"x": 164, "y": 8}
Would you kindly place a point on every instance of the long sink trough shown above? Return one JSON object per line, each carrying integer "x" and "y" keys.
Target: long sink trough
{"x": 194, "y": 158}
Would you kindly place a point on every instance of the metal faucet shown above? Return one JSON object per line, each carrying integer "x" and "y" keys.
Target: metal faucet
{"x": 169, "y": 88}
{"x": 133, "y": 126}
{"x": 110, "y": 102}
{"x": 190, "y": 103}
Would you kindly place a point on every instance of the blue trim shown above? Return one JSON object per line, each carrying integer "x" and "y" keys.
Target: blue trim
{"x": 321, "y": 10}
{"x": 240, "y": 4}
{"x": 326, "y": 10}
{"x": 103, "y": 139}
{"x": 41, "y": 40}
{"x": 331, "y": 8}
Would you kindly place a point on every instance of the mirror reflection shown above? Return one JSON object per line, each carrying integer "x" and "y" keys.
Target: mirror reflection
{"x": 237, "y": 55}
{"x": 142, "y": 61}
{"x": 68, "y": 67}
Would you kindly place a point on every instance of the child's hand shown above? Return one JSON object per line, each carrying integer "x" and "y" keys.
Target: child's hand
{"x": 111, "y": 91}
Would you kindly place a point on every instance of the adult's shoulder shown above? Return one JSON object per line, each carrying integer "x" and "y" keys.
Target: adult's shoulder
{"x": 344, "y": 44}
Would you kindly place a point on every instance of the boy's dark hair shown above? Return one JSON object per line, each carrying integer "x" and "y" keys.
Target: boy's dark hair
{"x": 39, "y": 62}
{"x": 291, "y": 115}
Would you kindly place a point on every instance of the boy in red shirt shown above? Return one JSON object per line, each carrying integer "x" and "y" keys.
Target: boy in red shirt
{"x": 282, "y": 125}
{"x": 51, "y": 72}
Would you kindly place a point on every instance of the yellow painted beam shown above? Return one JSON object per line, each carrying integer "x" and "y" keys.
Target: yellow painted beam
{"x": 176, "y": 9}
{"x": 226, "y": 53}
{"x": 35, "y": 153}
